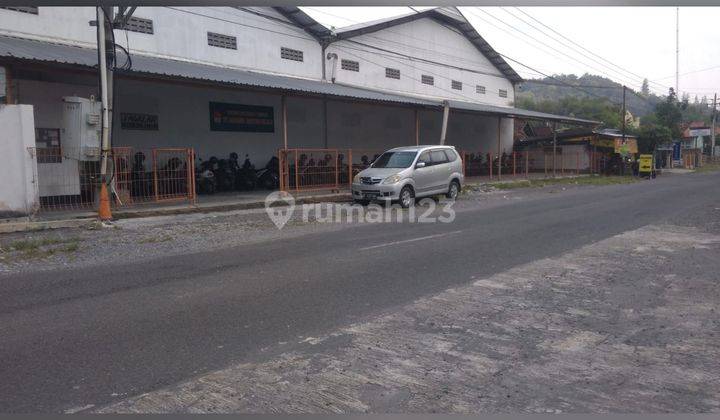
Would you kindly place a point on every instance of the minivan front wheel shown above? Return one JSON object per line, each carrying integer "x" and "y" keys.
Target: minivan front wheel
{"x": 407, "y": 197}
{"x": 453, "y": 190}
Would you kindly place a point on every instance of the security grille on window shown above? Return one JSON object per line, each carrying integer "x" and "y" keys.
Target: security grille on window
{"x": 33, "y": 10}
{"x": 503, "y": 93}
{"x": 392, "y": 73}
{"x": 136, "y": 24}
{"x": 480, "y": 89}
{"x": 428, "y": 80}
{"x": 222, "y": 41}
{"x": 456, "y": 85}
{"x": 350, "y": 65}
{"x": 290, "y": 54}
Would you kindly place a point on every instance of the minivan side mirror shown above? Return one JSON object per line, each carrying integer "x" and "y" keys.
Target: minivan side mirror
{"x": 419, "y": 165}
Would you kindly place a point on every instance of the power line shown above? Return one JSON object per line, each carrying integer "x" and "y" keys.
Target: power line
{"x": 409, "y": 77}
{"x": 434, "y": 52}
{"x": 547, "y": 45}
{"x": 603, "y": 63}
{"x": 306, "y": 38}
{"x": 589, "y": 51}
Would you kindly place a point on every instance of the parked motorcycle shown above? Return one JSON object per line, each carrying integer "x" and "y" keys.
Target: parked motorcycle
{"x": 246, "y": 178}
{"x": 269, "y": 176}
{"x": 205, "y": 182}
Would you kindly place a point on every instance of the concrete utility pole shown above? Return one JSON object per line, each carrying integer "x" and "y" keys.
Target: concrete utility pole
{"x": 446, "y": 115}
{"x": 554, "y": 130}
{"x": 104, "y": 208}
{"x": 624, "y": 117}
{"x": 677, "y": 52}
{"x": 714, "y": 124}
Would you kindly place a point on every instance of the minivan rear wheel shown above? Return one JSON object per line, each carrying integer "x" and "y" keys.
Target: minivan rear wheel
{"x": 453, "y": 190}
{"x": 407, "y": 197}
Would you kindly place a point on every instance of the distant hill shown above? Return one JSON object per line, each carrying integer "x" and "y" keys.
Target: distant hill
{"x": 555, "y": 89}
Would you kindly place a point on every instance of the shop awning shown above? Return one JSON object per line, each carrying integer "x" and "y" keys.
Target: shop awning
{"x": 47, "y": 52}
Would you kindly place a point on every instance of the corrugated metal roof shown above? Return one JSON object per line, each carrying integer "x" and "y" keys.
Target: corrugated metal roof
{"x": 58, "y": 53}
{"x": 41, "y": 51}
{"x": 517, "y": 112}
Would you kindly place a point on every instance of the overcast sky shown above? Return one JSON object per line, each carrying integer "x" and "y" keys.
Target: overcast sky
{"x": 640, "y": 40}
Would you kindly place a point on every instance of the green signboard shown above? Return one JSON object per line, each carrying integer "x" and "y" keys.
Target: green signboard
{"x": 236, "y": 117}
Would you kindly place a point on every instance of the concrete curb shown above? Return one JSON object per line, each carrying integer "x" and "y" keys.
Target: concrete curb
{"x": 28, "y": 225}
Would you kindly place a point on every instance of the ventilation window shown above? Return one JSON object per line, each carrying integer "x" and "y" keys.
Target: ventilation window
{"x": 290, "y": 54}
{"x": 136, "y": 24}
{"x": 222, "y": 41}
{"x": 33, "y": 10}
{"x": 427, "y": 80}
{"x": 480, "y": 89}
{"x": 350, "y": 65}
{"x": 456, "y": 85}
{"x": 503, "y": 93}
{"x": 392, "y": 73}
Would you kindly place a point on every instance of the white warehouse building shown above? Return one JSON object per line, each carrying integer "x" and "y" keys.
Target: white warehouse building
{"x": 368, "y": 87}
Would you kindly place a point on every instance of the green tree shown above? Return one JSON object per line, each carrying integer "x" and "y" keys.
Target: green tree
{"x": 645, "y": 89}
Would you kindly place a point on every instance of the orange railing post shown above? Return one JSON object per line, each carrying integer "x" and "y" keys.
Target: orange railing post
{"x": 490, "y": 164}
{"x": 155, "y": 174}
{"x": 297, "y": 172}
{"x": 350, "y": 169}
{"x": 527, "y": 164}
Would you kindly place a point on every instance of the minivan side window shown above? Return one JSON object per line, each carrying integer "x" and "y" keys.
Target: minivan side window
{"x": 438, "y": 157}
{"x": 425, "y": 157}
{"x": 451, "y": 155}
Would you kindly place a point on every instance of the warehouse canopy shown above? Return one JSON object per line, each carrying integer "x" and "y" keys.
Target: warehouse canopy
{"x": 47, "y": 52}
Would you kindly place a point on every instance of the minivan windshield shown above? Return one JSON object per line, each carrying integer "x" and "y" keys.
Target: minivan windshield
{"x": 394, "y": 160}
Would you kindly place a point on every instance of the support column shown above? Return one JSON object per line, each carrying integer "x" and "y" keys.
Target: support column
{"x": 325, "y": 125}
{"x": 7, "y": 80}
{"x": 554, "y": 171}
{"x": 499, "y": 153}
{"x": 446, "y": 115}
{"x": 417, "y": 128}
{"x": 283, "y": 102}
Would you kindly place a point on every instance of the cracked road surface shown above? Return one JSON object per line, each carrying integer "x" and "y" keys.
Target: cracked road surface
{"x": 600, "y": 299}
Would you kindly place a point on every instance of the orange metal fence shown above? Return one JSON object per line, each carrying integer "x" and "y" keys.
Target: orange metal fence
{"x": 520, "y": 164}
{"x": 316, "y": 169}
{"x": 69, "y": 180}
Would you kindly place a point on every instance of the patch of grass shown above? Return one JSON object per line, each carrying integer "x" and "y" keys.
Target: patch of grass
{"x": 41, "y": 248}
{"x": 155, "y": 239}
{"x": 709, "y": 167}
{"x": 583, "y": 180}
{"x": 33, "y": 244}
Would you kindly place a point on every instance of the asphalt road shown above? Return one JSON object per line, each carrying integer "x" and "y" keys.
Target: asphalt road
{"x": 91, "y": 336}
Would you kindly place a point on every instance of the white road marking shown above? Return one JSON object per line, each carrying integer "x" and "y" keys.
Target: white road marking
{"x": 410, "y": 240}
{"x": 79, "y": 409}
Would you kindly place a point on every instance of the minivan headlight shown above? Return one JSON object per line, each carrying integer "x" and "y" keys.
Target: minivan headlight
{"x": 392, "y": 179}
{"x": 356, "y": 178}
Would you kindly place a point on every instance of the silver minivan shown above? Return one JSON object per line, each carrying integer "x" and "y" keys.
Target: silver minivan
{"x": 404, "y": 174}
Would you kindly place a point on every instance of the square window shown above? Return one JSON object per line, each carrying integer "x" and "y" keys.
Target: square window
{"x": 350, "y": 65}
{"x": 33, "y": 10}
{"x": 137, "y": 24}
{"x": 456, "y": 85}
{"x": 222, "y": 41}
{"x": 291, "y": 54}
{"x": 392, "y": 73}
{"x": 428, "y": 80}
{"x": 503, "y": 93}
{"x": 480, "y": 89}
